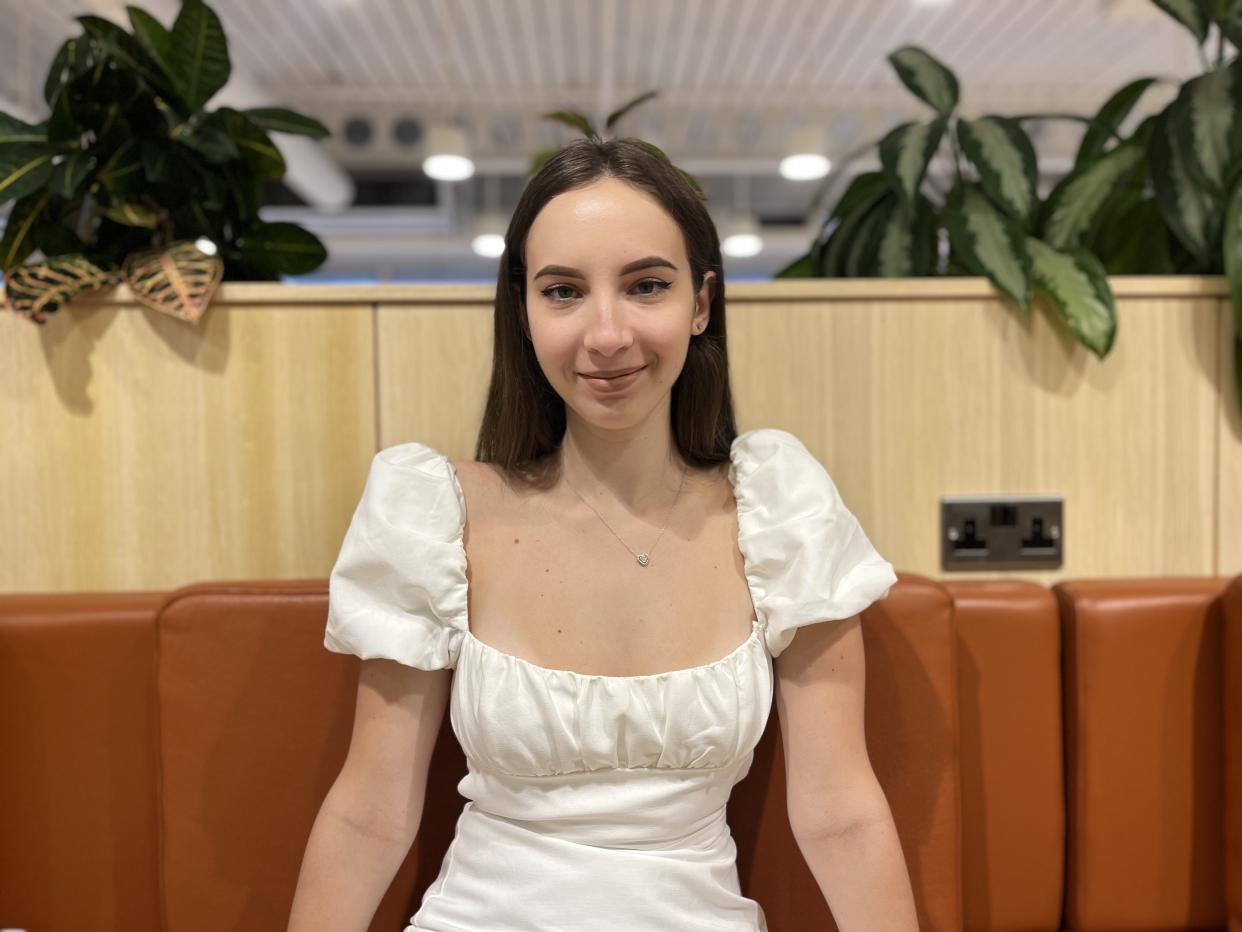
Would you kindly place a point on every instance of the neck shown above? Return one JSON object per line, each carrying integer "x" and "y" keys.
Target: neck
{"x": 638, "y": 469}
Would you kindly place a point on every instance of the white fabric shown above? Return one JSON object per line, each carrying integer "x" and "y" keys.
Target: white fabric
{"x": 595, "y": 801}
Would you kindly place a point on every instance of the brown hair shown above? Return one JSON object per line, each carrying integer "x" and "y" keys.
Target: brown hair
{"x": 524, "y": 417}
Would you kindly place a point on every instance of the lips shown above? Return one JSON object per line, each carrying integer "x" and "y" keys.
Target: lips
{"x": 616, "y": 375}
{"x": 613, "y": 384}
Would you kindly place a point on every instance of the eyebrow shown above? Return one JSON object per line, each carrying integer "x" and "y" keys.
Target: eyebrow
{"x": 636, "y": 265}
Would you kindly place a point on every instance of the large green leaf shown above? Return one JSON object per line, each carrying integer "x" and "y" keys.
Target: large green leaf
{"x": 256, "y": 147}
{"x": 284, "y": 248}
{"x": 1070, "y": 213}
{"x": 200, "y": 53}
{"x": 279, "y": 120}
{"x": 209, "y": 139}
{"x": 119, "y": 45}
{"x": 153, "y": 37}
{"x": 905, "y": 153}
{"x": 926, "y": 78}
{"x": 1005, "y": 158}
{"x": 1108, "y": 121}
{"x": 74, "y": 57}
{"x": 24, "y": 169}
{"x": 1190, "y": 211}
{"x": 990, "y": 243}
{"x": 1077, "y": 286}
{"x": 849, "y": 216}
{"x": 121, "y": 174}
{"x": 1189, "y": 13}
{"x": 18, "y": 240}
{"x": 864, "y": 244}
{"x": 1132, "y": 238}
{"x": 15, "y": 132}
{"x": 1203, "y": 122}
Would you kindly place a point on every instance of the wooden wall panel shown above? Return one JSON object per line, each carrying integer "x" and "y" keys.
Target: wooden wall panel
{"x": 142, "y": 452}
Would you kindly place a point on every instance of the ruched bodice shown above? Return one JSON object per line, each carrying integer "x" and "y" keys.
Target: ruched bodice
{"x": 595, "y": 801}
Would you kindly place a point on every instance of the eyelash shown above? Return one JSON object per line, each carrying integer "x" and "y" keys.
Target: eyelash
{"x": 661, "y": 286}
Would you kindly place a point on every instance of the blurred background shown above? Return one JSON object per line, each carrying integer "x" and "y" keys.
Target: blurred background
{"x": 741, "y": 84}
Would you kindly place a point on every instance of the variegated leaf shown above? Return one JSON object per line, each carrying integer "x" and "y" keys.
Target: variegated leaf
{"x": 34, "y": 291}
{"x": 905, "y": 153}
{"x": 69, "y": 173}
{"x": 1077, "y": 286}
{"x": 17, "y": 132}
{"x": 1203, "y": 120}
{"x": 23, "y": 170}
{"x": 1191, "y": 213}
{"x": 1075, "y": 203}
{"x": 990, "y": 243}
{"x": 926, "y": 78}
{"x": 1189, "y": 13}
{"x": 894, "y": 256}
{"x": 1109, "y": 119}
{"x": 850, "y": 213}
{"x": 179, "y": 280}
{"x": 1005, "y": 158}
{"x": 131, "y": 215}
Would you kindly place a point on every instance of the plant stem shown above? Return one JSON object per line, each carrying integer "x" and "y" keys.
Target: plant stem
{"x": 1220, "y": 46}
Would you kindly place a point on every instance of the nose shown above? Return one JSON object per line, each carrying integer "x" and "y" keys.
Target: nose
{"x": 607, "y": 329}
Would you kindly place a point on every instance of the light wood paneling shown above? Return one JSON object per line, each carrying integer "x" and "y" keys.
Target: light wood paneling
{"x": 146, "y": 453}
{"x": 1229, "y": 476}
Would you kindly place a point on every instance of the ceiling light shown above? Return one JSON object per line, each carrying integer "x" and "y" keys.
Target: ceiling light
{"x": 489, "y": 235}
{"x": 740, "y": 237}
{"x": 448, "y": 155}
{"x": 806, "y": 160}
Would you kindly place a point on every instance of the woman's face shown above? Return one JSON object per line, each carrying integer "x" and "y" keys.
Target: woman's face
{"x": 608, "y": 289}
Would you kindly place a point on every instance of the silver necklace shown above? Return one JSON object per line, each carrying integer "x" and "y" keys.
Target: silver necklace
{"x": 644, "y": 559}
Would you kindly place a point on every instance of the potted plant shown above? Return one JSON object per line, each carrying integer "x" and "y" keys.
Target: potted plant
{"x": 132, "y": 179}
{"x": 1165, "y": 199}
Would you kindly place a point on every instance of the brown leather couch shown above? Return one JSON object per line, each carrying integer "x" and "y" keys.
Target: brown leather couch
{"x": 1054, "y": 758}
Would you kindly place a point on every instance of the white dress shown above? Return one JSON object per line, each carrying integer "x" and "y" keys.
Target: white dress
{"x": 595, "y": 802}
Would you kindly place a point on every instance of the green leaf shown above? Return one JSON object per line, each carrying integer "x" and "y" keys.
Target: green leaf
{"x": 573, "y": 120}
{"x": 284, "y": 248}
{"x": 256, "y": 147}
{"x": 200, "y": 53}
{"x": 894, "y": 255}
{"x": 1005, "y": 158}
{"x": 1108, "y": 121}
{"x": 14, "y": 132}
{"x": 905, "y": 153}
{"x": 119, "y": 45}
{"x": 1074, "y": 205}
{"x": 1077, "y": 286}
{"x": 1189, "y": 14}
{"x": 73, "y": 58}
{"x": 131, "y": 214}
{"x": 855, "y": 205}
{"x": 1191, "y": 213}
{"x": 209, "y": 139}
{"x": 626, "y": 108}
{"x": 990, "y": 243}
{"x": 862, "y": 246}
{"x": 23, "y": 170}
{"x": 122, "y": 173}
{"x": 18, "y": 241}
{"x": 1133, "y": 238}
{"x": 1203, "y": 118}
{"x": 279, "y": 120}
{"x": 926, "y": 78}
{"x": 154, "y": 38}
{"x": 68, "y": 174}
{"x": 802, "y": 267}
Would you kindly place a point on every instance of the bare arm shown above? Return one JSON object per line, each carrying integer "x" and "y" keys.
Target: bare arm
{"x": 371, "y": 815}
{"x": 837, "y": 809}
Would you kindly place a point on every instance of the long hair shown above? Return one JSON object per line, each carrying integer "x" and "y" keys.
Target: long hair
{"x": 524, "y": 417}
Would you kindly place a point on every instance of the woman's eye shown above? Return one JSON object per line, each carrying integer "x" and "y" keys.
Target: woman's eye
{"x": 659, "y": 286}
{"x": 550, "y": 292}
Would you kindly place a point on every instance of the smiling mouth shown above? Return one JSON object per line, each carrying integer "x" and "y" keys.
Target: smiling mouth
{"x": 609, "y": 378}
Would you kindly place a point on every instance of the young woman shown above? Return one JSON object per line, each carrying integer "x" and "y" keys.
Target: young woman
{"x": 599, "y": 598}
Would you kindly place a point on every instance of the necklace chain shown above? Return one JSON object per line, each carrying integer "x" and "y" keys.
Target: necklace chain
{"x": 644, "y": 559}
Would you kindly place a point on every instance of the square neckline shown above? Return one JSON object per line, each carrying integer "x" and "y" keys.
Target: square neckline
{"x": 756, "y": 626}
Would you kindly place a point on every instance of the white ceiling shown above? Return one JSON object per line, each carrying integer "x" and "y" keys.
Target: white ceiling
{"x": 735, "y": 77}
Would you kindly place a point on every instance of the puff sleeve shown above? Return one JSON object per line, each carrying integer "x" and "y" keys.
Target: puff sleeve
{"x": 807, "y": 557}
{"x": 398, "y": 588}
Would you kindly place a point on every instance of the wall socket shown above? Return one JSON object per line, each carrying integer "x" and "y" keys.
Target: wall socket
{"x": 1020, "y": 532}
